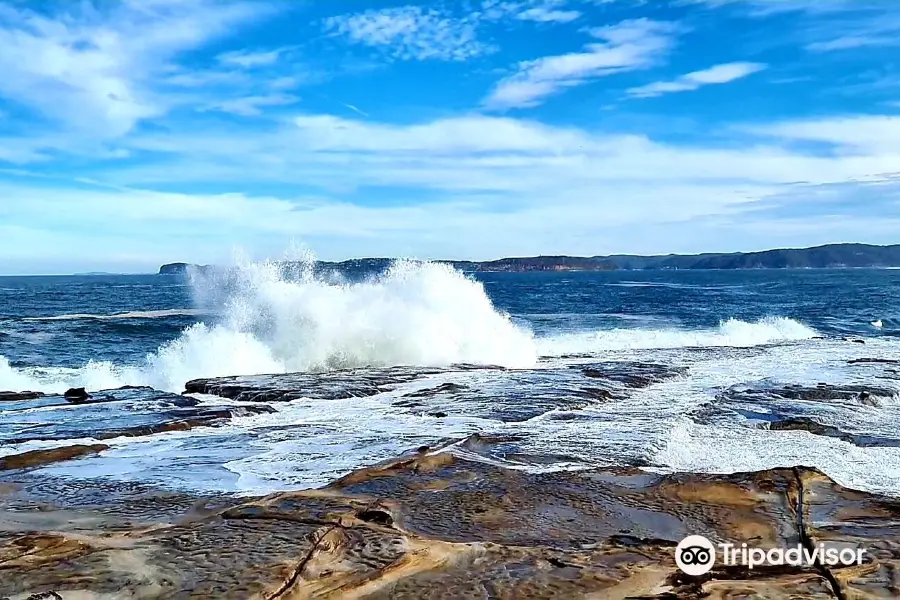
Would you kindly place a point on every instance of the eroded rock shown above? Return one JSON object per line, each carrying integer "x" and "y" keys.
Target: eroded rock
{"x": 439, "y": 525}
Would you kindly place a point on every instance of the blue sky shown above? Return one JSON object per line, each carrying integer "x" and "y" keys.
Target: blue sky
{"x": 145, "y": 131}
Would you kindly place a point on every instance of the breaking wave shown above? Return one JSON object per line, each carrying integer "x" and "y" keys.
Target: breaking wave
{"x": 276, "y": 319}
{"x": 731, "y": 332}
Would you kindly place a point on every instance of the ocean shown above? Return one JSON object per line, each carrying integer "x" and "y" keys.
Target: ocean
{"x": 697, "y": 371}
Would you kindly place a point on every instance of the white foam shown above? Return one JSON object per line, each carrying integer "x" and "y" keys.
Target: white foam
{"x": 137, "y": 314}
{"x": 56, "y": 380}
{"x": 693, "y": 447}
{"x": 732, "y": 332}
{"x": 15, "y": 379}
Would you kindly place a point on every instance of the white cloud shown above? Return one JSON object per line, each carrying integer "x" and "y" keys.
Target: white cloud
{"x": 853, "y": 134}
{"x": 481, "y": 187}
{"x": 411, "y": 33}
{"x": 522, "y": 161}
{"x": 249, "y": 106}
{"x": 247, "y": 59}
{"x": 848, "y": 42}
{"x": 91, "y": 70}
{"x": 626, "y": 46}
{"x": 439, "y": 31}
{"x": 545, "y": 14}
{"x": 715, "y": 75}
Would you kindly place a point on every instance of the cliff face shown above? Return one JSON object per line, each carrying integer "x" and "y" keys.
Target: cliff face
{"x": 173, "y": 269}
{"x": 831, "y": 256}
{"x": 180, "y": 268}
{"x": 537, "y": 263}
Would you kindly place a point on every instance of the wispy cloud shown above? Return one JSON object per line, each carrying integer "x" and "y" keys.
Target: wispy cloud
{"x": 763, "y": 8}
{"x": 247, "y": 59}
{"x": 544, "y": 14}
{"x": 93, "y": 70}
{"x": 829, "y": 25}
{"x": 482, "y": 186}
{"x": 412, "y": 33}
{"x": 439, "y": 31}
{"x": 626, "y": 46}
{"x": 250, "y": 106}
{"x": 855, "y": 134}
{"x": 862, "y": 30}
{"x": 715, "y": 75}
{"x": 355, "y": 109}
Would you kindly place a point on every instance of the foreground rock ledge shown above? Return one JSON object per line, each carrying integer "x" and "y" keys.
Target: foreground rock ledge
{"x": 439, "y": 526}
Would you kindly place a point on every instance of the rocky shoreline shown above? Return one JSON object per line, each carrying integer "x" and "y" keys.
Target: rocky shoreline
{"x": 464, "y": 517}
{"x": 442, "y": 523}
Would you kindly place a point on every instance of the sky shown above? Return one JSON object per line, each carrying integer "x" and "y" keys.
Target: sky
{"x": 140, "y": 132}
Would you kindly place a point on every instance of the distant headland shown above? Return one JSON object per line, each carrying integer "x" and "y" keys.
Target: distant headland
{"x": 830, "y": 256}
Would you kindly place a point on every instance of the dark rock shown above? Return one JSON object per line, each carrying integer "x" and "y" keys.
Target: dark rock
{"x": 19, "y": 396}
{"x": 816, "y": 428}
{"x": 187, "y": 419}
{"x": 862, "y": 393}
{"x": 376, "y": 515}
{"x": 866, "y": 398}
{"x": 596, "y": 393}
{"x": 631, "y": 374}
{"x": 178, "y": 419}
{"x": 330, "y": 385}
{"x": 38, "y": 458}
{"x": 444, "y": 388}
{"x": 883, "y": 361}
{"x": 439, "y": 415}
{"x": 76, "y": 395}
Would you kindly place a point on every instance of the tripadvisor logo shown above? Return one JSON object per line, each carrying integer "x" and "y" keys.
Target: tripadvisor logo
{"x": 695, "y": 555}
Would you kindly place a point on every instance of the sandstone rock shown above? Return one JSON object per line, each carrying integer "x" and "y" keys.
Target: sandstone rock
{"x": 37, "y": 458}
{"x": 433, "y": 525}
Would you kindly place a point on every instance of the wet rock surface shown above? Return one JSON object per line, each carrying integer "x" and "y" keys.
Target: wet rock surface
{"x": 332, "y": 385}
{"x": 815, "y": 428}
{"x": 633, "y": 375}
{"x": 865, "y": 394}
{"x": 852, "y": 413}
{"x": 124, "y": 412}
{"x": 503, "y": 395}
{"x": 438, "y": 525}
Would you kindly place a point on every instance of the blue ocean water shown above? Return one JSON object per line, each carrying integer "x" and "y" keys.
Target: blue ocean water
{"x": 717, "y": 331}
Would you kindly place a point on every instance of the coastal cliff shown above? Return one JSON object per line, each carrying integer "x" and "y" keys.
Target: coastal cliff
{"x": 831, "y": 256}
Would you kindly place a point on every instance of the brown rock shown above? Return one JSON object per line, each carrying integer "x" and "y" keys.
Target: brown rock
{"x": 437, "y": 526}
{"x": 38, "y": 458}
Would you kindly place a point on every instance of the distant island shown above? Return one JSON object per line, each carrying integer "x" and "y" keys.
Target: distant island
{"x": 830, "y": 256}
